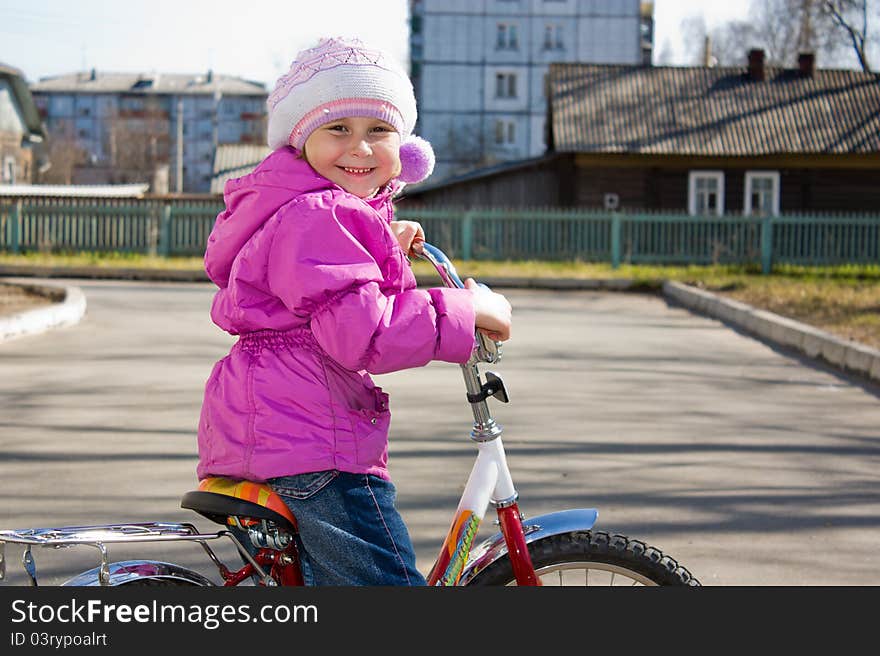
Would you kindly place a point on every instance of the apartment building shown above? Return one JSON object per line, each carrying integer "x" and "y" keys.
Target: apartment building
{"x": 162, "y": 129}
{"x": 479, "y": 68}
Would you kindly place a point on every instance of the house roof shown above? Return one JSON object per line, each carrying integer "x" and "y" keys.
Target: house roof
{"x": 234, "y": 161}
{"x": 149, "y": 83}
{"x": 717, "y": 111}
{"x": 30, "y": 114}
{"x": 476, "y": 174}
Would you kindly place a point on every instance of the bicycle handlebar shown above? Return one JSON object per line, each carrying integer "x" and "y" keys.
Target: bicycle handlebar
{"x": 442, "y": 263}
{"x": 488, "y": 350}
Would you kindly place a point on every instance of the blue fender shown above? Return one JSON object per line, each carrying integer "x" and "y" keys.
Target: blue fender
{"x": 535, "y": 528}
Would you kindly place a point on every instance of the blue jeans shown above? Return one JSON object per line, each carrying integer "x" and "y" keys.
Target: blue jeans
{"x": 350, "y": 532}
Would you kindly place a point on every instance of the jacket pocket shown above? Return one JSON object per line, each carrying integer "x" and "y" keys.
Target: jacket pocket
{"x": 370, "y": 428}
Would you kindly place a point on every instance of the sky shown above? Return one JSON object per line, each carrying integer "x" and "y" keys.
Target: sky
{"x": 255, "y": 39}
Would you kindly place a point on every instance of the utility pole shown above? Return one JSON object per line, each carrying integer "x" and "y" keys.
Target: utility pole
{"x": 179, "y": 175}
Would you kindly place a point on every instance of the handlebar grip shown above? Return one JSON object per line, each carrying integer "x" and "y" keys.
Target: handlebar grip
{"x": 489, "y": 350}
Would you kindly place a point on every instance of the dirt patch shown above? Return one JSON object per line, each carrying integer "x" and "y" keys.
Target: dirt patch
{"x": 849, "y": 310}
{"x": 21, "y": 298}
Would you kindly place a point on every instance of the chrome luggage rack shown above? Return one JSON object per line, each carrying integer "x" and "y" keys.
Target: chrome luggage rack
{"x": 102, "y": 535}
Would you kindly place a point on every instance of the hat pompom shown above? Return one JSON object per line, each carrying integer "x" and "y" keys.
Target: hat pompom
{"x": 416, "y": 160}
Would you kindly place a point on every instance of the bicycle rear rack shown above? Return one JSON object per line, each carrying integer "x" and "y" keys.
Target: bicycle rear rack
{"x": 102, "y": 535}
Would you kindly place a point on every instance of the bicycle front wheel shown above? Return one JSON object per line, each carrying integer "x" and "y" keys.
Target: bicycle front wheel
{"x": 592, "y": 558}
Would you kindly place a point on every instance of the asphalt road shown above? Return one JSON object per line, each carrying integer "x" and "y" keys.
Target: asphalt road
{"x": 749, "y": 465}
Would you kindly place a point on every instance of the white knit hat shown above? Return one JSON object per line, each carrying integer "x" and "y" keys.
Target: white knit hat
{"x": 338, "y": 78}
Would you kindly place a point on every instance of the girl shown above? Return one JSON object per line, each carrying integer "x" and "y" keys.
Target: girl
{"x": 313, "y": 277}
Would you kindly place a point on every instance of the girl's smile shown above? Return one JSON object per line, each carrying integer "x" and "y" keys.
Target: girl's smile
{"x": 356, "y": 172}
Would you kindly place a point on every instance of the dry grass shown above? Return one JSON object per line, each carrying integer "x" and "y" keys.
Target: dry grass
{"x": 102, "y": 260}
{"x": 849, "y": 309}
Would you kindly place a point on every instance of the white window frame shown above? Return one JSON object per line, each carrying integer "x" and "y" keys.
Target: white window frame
{"x": 507, "y": 37}
{"x": 747, "y": 198}
{"x": 693, "y": 176}
{"x": 9, "y": 169}
{"x": 553, "y": 37}
{"x": 505, "y": 132}
{"x": 506, "y": 85}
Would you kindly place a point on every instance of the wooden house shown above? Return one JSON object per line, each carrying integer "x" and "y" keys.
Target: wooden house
{"x": 22, "y": 134}
{"x": 700, "y": 140}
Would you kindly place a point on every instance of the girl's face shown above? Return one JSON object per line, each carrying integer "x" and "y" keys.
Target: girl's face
{"x": 359, "y": 154}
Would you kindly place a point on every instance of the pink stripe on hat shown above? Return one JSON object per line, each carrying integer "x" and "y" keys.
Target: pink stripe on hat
{"x": 338, "y": 109}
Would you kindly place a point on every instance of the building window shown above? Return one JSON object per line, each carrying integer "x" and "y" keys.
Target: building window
{"x": 553, "y": 37}
{"x": 761, "y": 193}
{"x": 508, "y": 37}
{"x": 9, "y": 169}
{"x": 505, "y": 132}
{"x": 505, "y": 85}
{"x": 706, "y": 193}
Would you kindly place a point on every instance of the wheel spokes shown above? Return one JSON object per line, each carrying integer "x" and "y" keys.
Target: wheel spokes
{"x": 594, "y": 573}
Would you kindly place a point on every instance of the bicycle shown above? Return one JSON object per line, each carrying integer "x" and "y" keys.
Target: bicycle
{"x": 559, "y": 548}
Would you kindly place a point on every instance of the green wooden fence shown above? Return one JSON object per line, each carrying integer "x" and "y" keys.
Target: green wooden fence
{"x": 177, "y": 227}
{"x": 159, "y": 227}
{"x": 660, "y": 238}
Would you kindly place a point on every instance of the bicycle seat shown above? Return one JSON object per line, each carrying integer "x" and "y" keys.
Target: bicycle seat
{"x": 219, "y": 499}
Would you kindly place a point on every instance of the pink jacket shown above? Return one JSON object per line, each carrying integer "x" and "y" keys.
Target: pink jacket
{"x": 321, "y": 295}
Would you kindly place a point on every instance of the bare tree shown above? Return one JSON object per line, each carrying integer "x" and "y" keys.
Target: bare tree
{"x": 786, "y": 28}
{"x": 462, "y": 143}
{"x": 665, "y": 56}
{"x": 851, "y": 19}
{"x": 63, "y": 154}
{"x": 139, "y": 143}
{"x": 729, "y": 45}
{"x": 693, "y": 34}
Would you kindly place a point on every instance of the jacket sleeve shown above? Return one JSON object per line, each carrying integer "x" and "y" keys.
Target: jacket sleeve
{"x": 322, "y": 271}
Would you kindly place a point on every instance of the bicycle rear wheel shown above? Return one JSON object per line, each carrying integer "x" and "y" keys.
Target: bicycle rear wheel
{"x": 592, "y": 558}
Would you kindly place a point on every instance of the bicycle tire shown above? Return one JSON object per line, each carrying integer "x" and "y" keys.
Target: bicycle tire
{"x": 589, "y": 558}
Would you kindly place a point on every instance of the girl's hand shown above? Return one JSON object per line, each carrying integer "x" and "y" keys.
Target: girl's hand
{"x": 409, "y": 235}
{"x": 492, "y": 312}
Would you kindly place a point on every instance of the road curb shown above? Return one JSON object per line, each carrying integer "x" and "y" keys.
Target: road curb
{"x": 817, "y": 344}
{"x": 66, "y": 312}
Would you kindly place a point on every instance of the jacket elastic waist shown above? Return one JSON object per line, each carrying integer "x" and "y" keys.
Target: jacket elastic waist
{"x": 272, "y": 339}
